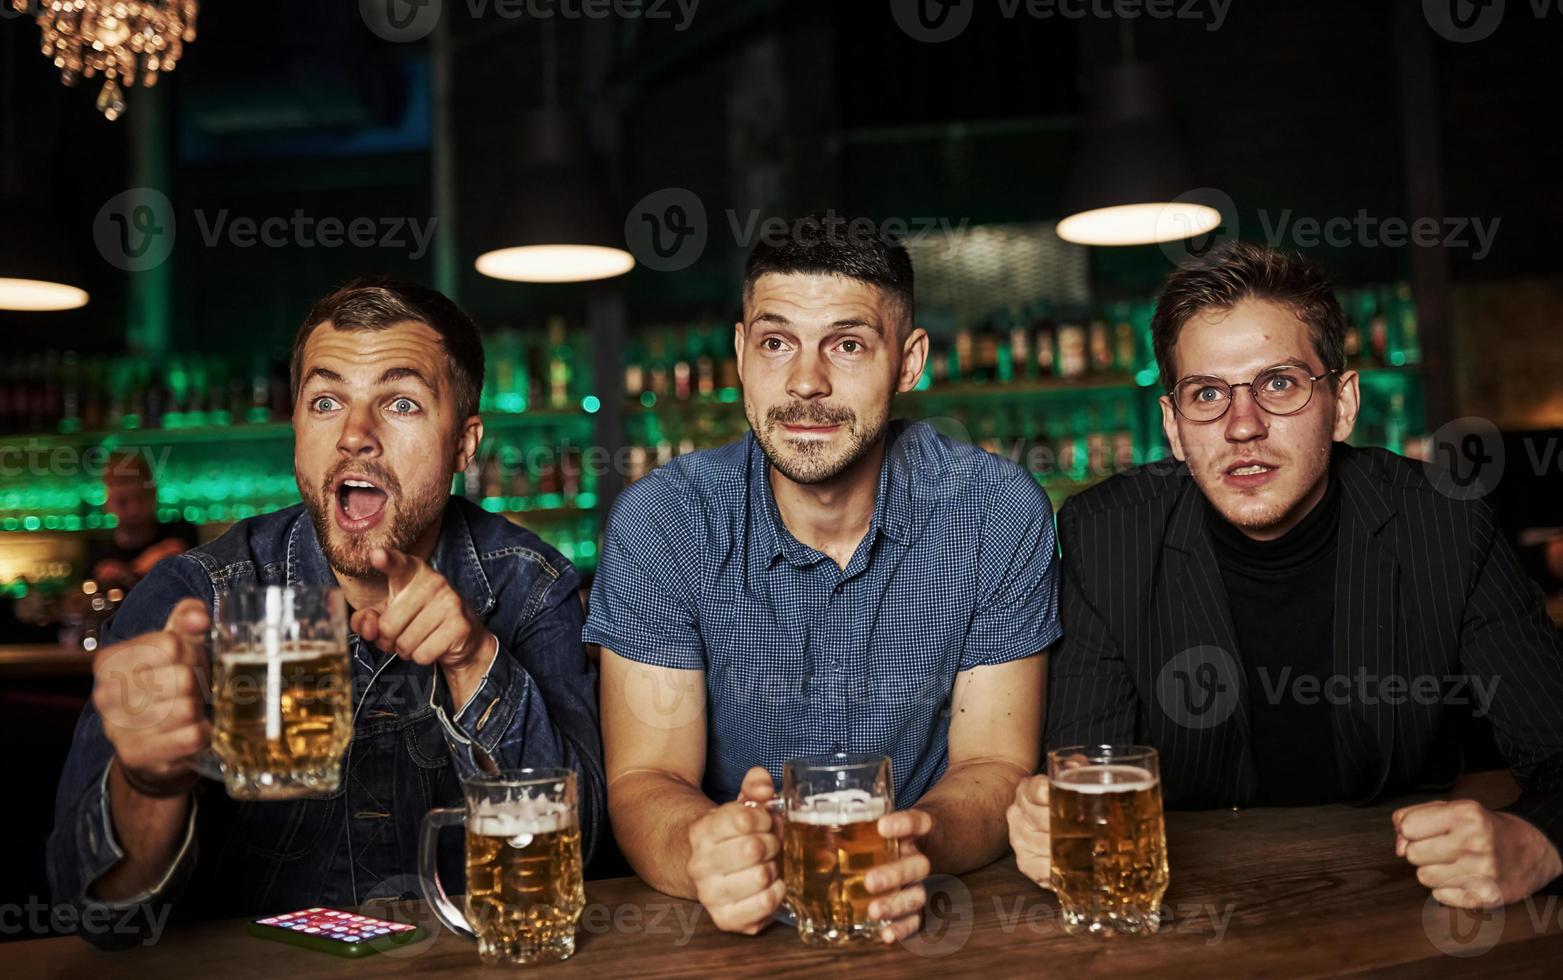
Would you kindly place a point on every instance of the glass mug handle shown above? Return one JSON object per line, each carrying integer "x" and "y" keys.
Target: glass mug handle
{"x": 206, "y": 762}
{"x": 428, "y": 869}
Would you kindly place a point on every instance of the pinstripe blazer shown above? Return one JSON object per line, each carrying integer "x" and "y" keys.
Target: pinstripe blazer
{"x": 1430, "y": 607}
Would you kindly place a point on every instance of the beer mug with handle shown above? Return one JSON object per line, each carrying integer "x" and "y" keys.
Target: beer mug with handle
{"x": 1109, "y": 840}
{"x": 524, "y": 887}
{"x": 830, "y": 841}
{"x": 282, "y": 703}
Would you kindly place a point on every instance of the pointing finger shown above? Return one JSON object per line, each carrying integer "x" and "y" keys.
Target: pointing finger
{"x": 397, "y": 566}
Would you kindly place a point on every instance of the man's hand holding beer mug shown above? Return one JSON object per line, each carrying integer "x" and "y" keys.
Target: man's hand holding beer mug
{"x": 1092, "y": 831}
{"x": 1028, "y": 830}
{"x": 736, "y": 863}
{"x": 150, "y": 693}
{"x": 1472, "y": 857}
{"x": 425, "y": 620}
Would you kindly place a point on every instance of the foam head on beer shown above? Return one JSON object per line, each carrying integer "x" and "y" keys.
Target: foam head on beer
{"x": 520, "y": 820}
{"x": 1106, "y": 779}
{"x": 838, "y": 807}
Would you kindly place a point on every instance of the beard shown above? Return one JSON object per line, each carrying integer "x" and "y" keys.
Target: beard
{"x": 407, "y": 520}
{"x": 812, "y": 462}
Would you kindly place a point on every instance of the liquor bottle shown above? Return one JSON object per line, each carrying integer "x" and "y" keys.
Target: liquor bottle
{"x": 705, "y": 365}
{"x": 635, "y": 371}
{"x": 1045, "y": 331}
{"x": 986, "y": 354}
{"x": 1357, "y": 313}
{"x": 1378, "y": 334}
{"x": 281, "y": 391}
{"x": 560, "y": 368}
{"x": 570, "y": 474}
{"x": 70, "y": 393}
{"x": 1410, "y": 339}
{"x": 727, "y": 359}
{"x": 1101, "y": 347}
{"x": 1124, "y": 349}
{"x": 260, "y": 392}
{"x": 659, "y": 365}
{"x": 549, "y": 483}
{"x": 962, "y": 364}
{"x": 1071, "y": 351}
{"x": 520, "y": 482}
{"x": 639, "y": 465}
{"x": 938, "y": 361}
{"x": 238, "y": 398}
{"x": 154, "y": 397}
{"x": 1019, "y": 363}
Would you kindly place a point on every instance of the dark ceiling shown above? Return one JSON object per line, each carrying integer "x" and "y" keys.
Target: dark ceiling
{"x": 781, "y": 107}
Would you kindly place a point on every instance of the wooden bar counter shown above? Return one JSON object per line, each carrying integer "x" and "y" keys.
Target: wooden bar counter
{"x": 1282, "y": 892}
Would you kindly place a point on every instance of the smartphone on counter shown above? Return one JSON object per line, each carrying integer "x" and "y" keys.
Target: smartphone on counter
{"x": 335, "y": 931}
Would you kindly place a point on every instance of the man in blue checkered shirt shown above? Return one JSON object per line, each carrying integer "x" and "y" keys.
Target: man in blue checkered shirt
{"x": 835, "y": 581}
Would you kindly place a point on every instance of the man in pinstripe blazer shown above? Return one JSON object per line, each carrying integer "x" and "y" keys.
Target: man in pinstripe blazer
{"x": 1290, "y": 620}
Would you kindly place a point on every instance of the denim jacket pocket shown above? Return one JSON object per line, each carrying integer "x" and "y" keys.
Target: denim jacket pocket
{"x": 426, "y": 742}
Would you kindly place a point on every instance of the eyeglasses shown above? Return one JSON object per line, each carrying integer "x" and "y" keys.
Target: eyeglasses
{"x": 1284, "y": 390}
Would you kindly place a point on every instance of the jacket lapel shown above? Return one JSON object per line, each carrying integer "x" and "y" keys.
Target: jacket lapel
{"x": 1201, "y": 688}
{"x": 1367, "y": 628}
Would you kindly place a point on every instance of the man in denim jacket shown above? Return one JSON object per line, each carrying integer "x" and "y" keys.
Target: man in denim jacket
{"x": 465, "y": 653}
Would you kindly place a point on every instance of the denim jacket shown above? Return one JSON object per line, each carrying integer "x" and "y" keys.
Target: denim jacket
{"x": 536, "y": 707}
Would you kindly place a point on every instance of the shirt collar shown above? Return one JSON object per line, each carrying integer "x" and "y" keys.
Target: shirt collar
{"x": 892, "y": 503}
{"x": 455, "y": 557}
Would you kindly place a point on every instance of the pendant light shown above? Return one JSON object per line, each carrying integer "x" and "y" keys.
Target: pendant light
{"x": 37, "y": 273}
{"x": 553, "y": 223}
{"x": 1131, "y": 181}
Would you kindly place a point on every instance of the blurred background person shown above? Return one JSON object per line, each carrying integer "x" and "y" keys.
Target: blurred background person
{"x": 139, "y": 540}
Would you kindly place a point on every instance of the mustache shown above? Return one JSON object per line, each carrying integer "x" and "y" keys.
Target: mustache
{"x": 379, "y": 474}
{"x": 808, "y": 413}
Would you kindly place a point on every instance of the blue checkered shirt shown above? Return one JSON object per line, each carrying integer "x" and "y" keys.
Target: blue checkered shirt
{"x": 958, "y": 570}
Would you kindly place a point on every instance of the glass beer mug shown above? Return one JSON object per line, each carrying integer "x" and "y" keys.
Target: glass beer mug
{"x": 524, "y": 887}
{"x": 282, "y": 706}
{"x": 1109, "y": 840}
{"x": 830, "y": 841}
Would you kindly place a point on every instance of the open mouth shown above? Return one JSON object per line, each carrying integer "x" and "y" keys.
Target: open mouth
{"x": 1249, "y": 473}
{"x": 360, "y": 503}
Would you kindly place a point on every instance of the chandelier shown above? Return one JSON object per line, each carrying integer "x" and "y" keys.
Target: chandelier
{"x": 125, "y": 40}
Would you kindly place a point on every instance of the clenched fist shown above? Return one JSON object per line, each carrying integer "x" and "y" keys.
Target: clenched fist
{"x": 151, "y": 694}
{"x": 1472, "y": 857}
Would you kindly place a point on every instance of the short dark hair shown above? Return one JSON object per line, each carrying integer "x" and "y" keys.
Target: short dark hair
{"x": 377, "y": 303}
{"x": 825, "y": 243}
{"x": 123, "y": 466}
{"x": 1235, "y": 271}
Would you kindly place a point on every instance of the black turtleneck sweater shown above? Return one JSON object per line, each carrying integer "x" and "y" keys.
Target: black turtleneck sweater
{"x": 1282, "y": 596}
